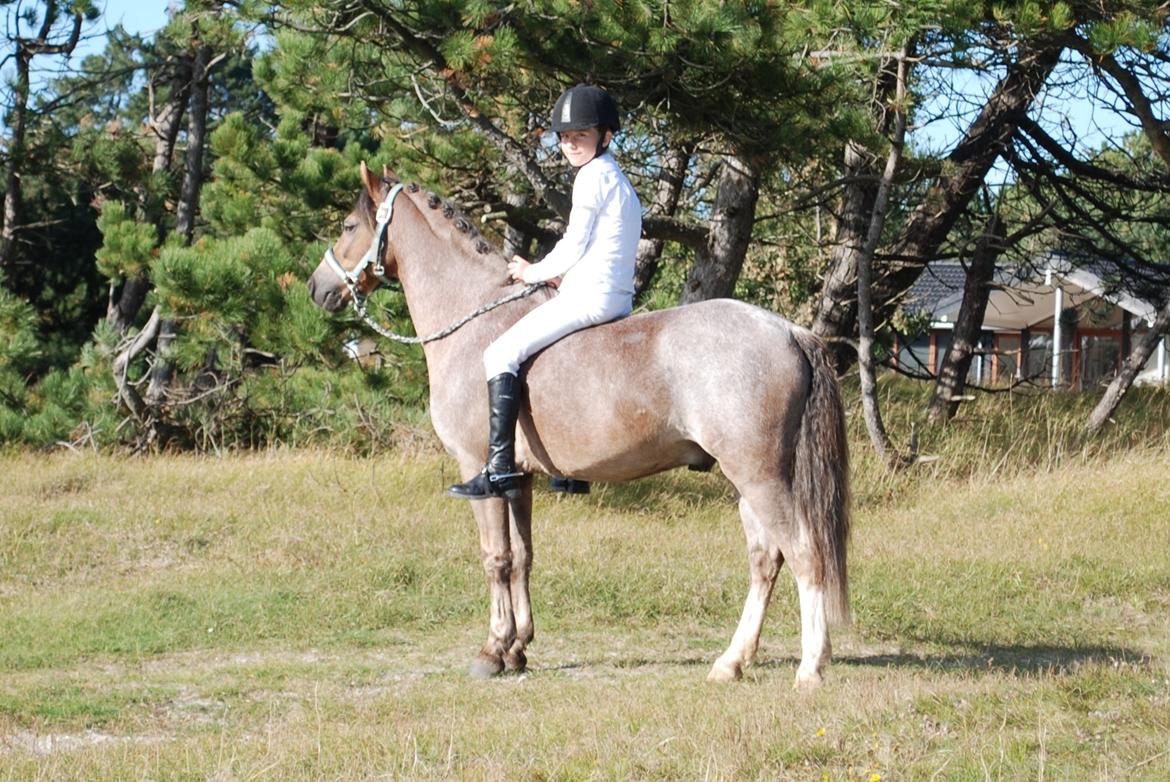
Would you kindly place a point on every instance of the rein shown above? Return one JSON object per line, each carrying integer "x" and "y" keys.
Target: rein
{"x": 374, "y": 256}
{"x": 360, "y": 309}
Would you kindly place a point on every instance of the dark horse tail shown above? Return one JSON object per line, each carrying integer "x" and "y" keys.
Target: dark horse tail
{"x": 821, "y": 479}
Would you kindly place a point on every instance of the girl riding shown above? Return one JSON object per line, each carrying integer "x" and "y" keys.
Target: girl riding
{"x": 595, "y": 261}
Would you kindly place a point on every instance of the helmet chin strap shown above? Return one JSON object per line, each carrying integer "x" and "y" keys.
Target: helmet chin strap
{"x": 603, "y": 142}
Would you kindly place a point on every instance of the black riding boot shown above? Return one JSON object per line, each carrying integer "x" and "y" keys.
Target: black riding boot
{"x": 499, "y": 478}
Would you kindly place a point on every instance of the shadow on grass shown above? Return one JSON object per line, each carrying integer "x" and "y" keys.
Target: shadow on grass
{"x": 601, "y": 664}
{"x": 650, "y": 494}
{"x": 1039, "y": 660}
{"x": 1023, "y": 660}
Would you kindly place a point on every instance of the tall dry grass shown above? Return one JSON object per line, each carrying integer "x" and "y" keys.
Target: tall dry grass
{"x": 996, "y": 436}
{"x": 308, "y": 615}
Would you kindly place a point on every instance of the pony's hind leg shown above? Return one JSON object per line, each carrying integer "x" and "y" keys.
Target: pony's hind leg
{"x": 764, "y": 559}
{"x": 520, "y": 515}
{"x": 815, "y": 648}
{"x": 769, "y": 519}
{"x": 491, "y": 516}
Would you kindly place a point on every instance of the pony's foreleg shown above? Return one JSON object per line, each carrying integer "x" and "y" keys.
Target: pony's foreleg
{"x": 491, "y": 515}
{"x": 520, "y": 516}
{"x": 765, "y": 559}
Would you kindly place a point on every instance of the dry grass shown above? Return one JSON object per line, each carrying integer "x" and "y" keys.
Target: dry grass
{"x": 308, "y": 616}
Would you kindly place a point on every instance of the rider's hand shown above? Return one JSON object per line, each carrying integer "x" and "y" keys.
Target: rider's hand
{"x": 516, "y": 268}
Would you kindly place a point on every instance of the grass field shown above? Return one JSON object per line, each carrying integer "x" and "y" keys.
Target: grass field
{"x": 311, "y": 616}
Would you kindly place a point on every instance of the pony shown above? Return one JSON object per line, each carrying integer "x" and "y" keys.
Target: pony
{"x": 714, "y": 382}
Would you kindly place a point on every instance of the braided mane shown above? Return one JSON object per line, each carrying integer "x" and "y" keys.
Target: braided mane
{"x": 462, "y": 225}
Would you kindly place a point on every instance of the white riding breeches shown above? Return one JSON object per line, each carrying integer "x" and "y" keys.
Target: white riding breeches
{"x": 558, "y": 317}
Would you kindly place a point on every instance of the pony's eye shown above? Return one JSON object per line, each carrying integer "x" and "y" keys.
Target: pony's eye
{"x": 349, "y": 225}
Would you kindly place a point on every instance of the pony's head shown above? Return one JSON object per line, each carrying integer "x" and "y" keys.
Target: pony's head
{"x": 360, "y": 260}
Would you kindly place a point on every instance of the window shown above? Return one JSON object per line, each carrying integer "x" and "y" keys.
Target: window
{"x": 1038, "y": 365}
{"x": 1100, "y": 357}
{"x": 1007, "y": 358}
{"x": 914, "y": 355}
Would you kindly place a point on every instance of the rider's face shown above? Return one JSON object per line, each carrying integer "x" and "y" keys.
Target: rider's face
{"x": 580, "y": 146}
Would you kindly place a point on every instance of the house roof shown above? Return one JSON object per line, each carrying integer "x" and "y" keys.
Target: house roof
{"x": 938, "y": 282}
{"x": 1025, "y": 295}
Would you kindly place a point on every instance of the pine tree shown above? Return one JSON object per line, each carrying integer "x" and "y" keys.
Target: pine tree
{"x": 231, "y": 324}
{"x": 48, "y": 28}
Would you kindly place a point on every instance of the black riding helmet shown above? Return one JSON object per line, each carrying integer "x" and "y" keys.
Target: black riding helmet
{"x": 585, "y": 106}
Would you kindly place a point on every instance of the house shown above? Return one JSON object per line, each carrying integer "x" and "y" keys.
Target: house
{"x": 1080, "y": 308}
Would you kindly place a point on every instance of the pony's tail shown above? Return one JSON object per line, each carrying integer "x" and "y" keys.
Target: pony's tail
{"x": 821, "y": 479}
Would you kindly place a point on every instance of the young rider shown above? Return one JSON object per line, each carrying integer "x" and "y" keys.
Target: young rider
{"x": 594, "y": 259}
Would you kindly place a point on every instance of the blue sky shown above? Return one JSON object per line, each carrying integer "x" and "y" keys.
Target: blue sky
{"x": 135, "y": 15}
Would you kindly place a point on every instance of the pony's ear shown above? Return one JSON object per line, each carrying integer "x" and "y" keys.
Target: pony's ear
{"x": 388, "y": 174}
{"x": 372, "y": 183}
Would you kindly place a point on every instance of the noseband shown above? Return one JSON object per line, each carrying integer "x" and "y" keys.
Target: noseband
{"x": 373, "y": 255}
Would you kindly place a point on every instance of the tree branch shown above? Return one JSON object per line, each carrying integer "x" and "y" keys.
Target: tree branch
{"x": 121, "y": 365}
{"x": 1078, "y": 166}
{"x": 865, "y": 315}
{"x": 515, "y": 154}
{"x": 1139, "y": 104}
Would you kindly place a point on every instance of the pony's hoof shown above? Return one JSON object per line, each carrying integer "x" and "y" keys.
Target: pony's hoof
{"x": 486, "y": 666}
{"x": 806, "y": 681}
{"x": 725, "y": 672}
{"x": 515, "y": 662}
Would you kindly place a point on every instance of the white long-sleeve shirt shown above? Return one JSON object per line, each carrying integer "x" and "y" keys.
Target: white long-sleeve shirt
{"x": 597, "y": 252}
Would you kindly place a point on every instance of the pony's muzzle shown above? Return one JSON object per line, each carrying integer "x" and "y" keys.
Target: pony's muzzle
{"x": 327, "y": 294}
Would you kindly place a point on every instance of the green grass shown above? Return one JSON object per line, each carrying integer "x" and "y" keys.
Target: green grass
{"x": 305, "y": 615}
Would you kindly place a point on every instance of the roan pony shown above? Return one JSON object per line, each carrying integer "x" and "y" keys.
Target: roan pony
{"x": 716, "y": 381}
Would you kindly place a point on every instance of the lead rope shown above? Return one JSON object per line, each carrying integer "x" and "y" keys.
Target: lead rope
{"x": 359, "y": 306}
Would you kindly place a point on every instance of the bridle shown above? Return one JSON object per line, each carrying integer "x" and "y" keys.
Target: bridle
{"x": 373, "y": 256}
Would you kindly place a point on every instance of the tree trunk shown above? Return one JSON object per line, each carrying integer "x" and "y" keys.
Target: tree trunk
{"x": 670, "y": 183}
{"x": 1129, "y": 370}
{"x": 865, "y": 320}
{"x": 1140, "y": 106}
{"x": 927, "y": 226}
{"x": 17, "y": 121}
{"x": 835, "y": 312}
{"x": 952, "y": 377}
{"x": 121, "y": 365}
{"x": 196, "y": 140}
{"x": 165, "y": 124}
{"x": 516, "y": 241}
{"x": 162, "y": 373}
{"x": 126, "y": 302}
{"x": 718, "y": 264}
{"x": 12, "y": 193}
{"x": 1157, "y": 134}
